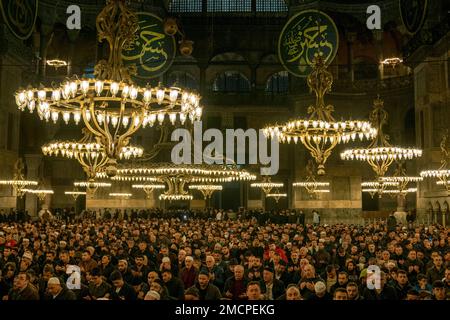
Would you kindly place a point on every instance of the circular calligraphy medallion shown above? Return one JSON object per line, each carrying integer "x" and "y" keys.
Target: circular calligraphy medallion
{"x": 152, "y": 51}
{"x": 305, "y": 35}
{"x": 413, "y": 13}
{"x": 20, "y": 16}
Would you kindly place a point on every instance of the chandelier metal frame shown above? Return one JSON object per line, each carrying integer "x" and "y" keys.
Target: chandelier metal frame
{"x": 18, "y": 182}
{"x": 207, "y": 190}
{"x": 443, "y": 172}
{"x": 148, "y": 188}
{"x": 380, "y": 154}
{"x": 320, "y": 133}
{"x": 311, "y": 184}
{"x": 111, "y": 106}
{"x": 266, "y": 185}
{"x": 89, "y": 153}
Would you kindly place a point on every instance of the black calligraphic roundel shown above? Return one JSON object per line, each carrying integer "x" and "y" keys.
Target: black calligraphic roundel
{"x": 152, "y": 51}
{"x": 413, "y": 13}
{"x": 305, "y": 35}
{"x": 20, "y": 16}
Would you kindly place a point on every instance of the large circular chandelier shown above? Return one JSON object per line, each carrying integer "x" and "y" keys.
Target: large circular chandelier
{"x": 40, "y": 193}
{"x": 276, "y": 195}
{"x": 443, "y": 173}
{"x": 91, "y": 186}
{"x": 207, "y": 190}
{"x": 89, "y": 153}
{"x": 397, "y": 184}
{"x": 266, "y": 185}
{"x": 18, "y": 182}
{"x": 75, "y": 194}
{"x": 111, "y": 106}
{"x": 380, "y": 154}
{"x": 320, "y": 133}
{"x": 311, "y": 185}
{"x": 177, "y": 177}
{"x": 148, "y": 188}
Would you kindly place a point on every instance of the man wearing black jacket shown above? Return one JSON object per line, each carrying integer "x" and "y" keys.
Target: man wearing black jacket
{"x": 121, "y": 290}
{"x": 385, "y": 292}
{"x": 206, "y": 290}
{"x": 271, "y": 287}
{"x": 173, "y": 284}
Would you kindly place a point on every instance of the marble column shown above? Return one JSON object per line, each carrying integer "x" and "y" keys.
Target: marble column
{"x": 33, "y": 163}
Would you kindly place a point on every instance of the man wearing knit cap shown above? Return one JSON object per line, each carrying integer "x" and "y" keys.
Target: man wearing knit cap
{"x": 271, "y": 287}
{"x": 58, "y": 291}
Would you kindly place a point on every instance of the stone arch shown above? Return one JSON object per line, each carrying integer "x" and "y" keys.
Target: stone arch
{"x": 228, "y": 57}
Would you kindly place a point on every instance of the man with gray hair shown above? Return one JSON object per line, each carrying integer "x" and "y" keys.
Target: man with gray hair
{"x": 189, "y": 273}
{"x": 58, "y": 291}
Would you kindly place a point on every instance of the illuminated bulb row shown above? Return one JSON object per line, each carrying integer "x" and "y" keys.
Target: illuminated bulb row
{"x": 376, "y": 184}
{"x": 435, "y": 173}
{"x": 89, "y": 150}
{"x": 91, "y": 184}
{"x": 267, "y": 185}
{"x": 410, "y": 190}
{"x": 175, "y": 197}
{"x": 381, "y": 154}
{"x": 206, "y": 187}
{"x": 276, "y": 195}
{"x": 181, "y": 170}
{"x": 120, "y": 195}
{"x": 311, "y": 184}
{"x": 78, "y": 193}
{"x": 20, "y": 183}
{"x": 401, "y": 179}
{"x": 148, "y": 186}
{"x": 73, "y": 89}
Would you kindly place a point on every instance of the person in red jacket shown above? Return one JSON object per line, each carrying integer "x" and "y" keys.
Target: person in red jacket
{"x": 272, "y": 251}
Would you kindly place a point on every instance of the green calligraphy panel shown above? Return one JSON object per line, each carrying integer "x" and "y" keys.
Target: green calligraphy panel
{"x": 305, "y": 35}
{"x": 152, "y": 51}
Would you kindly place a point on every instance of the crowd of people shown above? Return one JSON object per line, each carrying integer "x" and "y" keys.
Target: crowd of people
{"x": 160, "y": 254}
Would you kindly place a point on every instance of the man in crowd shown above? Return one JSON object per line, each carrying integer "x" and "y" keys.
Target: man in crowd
{"x": 206, "y": 290}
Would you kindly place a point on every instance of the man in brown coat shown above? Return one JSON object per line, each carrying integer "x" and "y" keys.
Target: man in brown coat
{"x": 23, "y": 289}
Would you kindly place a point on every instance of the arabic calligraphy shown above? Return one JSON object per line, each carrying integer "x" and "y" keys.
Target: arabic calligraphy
{"x": 20, "y": 16}
{"x": 305, "y": 35}
{"x": 151, "y": 50}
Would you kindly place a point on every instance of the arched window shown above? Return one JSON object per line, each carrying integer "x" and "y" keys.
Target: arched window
{"x": 365, "y": 69}
{"x": 278, "y": 83}
{"x": 231, "y": 81}
{"x": 183, "y": 80}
